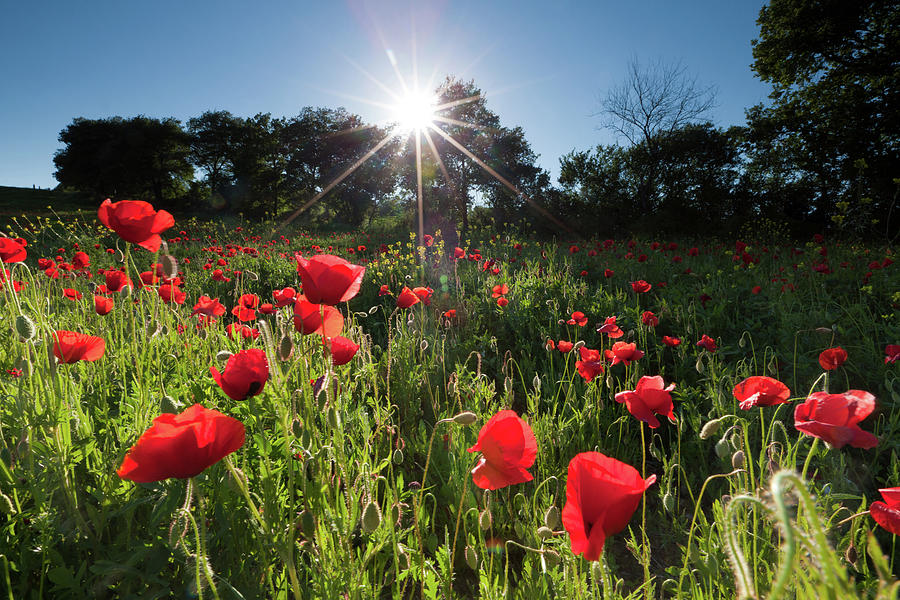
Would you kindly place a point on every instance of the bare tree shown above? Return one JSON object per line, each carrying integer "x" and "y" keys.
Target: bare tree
{"x": 654, "y": 99}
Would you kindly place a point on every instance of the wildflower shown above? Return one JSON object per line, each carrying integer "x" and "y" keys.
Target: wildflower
{"x": 708, "y": 343}
{"x": 892, "y": 353}
{"x": 622, "y": 352}
{"x": 610, "y": 328}
{"x": 210, "y": 307}
{"x": 502, "y": 301}
{"x": 499, "y": 290}
{"x": 317, "y": 318}
{"x": 406, "y": 298}
{"x": 508, "y": 447}
{"x": 649, "y": 319}
{"x": 136, "y": 221}
{"x": 835, "y": 418}
{"x": 887, "y": 513}
{"x": 245, "y": 374}
{"x": 71, "y": 294}
{"x": 182, "y": 445}
{"x": 424, "y": 294}
{"x": 578, "y": 318}
{"x": 649, "y": 396}
{"x": 640, "y": 286}
{"x": 329, "y": 279}
{"x": 102, "y": 305}
{"x": 832, "y": 358}
{"x": 602, "y": 494}
{"x": 564, "y": 346}
{"x": 590, "y": 364}
{"x": 760, "y": 391}
{"x": 12, "y": 251}
{"x": 284, "y": 296}
{"x": 342, "y": 349}
{"x": 71, "y": 346}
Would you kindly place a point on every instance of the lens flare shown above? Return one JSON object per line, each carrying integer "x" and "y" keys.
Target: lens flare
{"x": 415, "y": 111}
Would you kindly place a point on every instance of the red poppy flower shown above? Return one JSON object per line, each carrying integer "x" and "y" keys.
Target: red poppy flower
{"x": 182, "y": 445}
{"x": 608, "y": 273}
{"x": 71, "y": 346}
{"x": 245, "y": 374}
{"x": 640, "y": 286}
{"x": 80, "y": 260}
{"x": 458, "y": 252}
{"x": 649, "y": 396}
{"x": 102, "y": 305}
{"x": 170, "y": 293}
{"x": 564, "y": 346}
{"x": 384, "y": 290}
{"x": 590, "y": 364}
{"x": 756, "y": 289}
{"x": 116, "y": 280}
{"x": 424, "y": 294}
{"x": 284, "y": 297}
{"x": 761, "y": 391}
{"x": 342, "y": 350}
{"x": 71, "y": 294}
{"x": 708, "y": 343}
{"x": 611, "y": 329}
{"x": 887, "y": 513}
{"x": 892, "y": 353}
{"x": 671, "y": 342}
{"x": 835, "y": 418}
{"x": 12, "y": 251}
{"x": 502, "y": 301}
{"x": 578, "y": 318}
{"x": 317, "y": 318}
{"x": 429, "y": 240}
{"x": 329, "y": 279}
{"x": 508, "y": 448}
{"x": 210, "y": 307}
{"x": 406, "y": 298}
{"x": 135, "y": 221}
{"x": 649, "y": 319}
{"x": 235, "y": 329}
{"x": 832, "y": 358}
{"x": 499, "y": 290}
{"x": 602, "y": 494}
{"x": 623, "y": 352}
{"x": 267, "y": 309}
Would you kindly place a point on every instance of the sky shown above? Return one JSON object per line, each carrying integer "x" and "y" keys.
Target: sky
{"x": 542, "y": 65}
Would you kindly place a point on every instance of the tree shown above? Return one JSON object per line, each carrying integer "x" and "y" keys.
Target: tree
{"x": 119, "y": 158}
{"x": 214, "y": 137}
{"x": 835, "y": 98}
{"x": 654, "y": 100}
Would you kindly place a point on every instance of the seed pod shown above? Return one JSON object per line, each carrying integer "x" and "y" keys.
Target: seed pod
{"x": 169, "y": 266}
{"x": 710, "y": 428}
{"x": 126, "y": 290}
{"x": 168, "y": 404}
{"x": 465, "y": 418}
{"x": 471, "y": 558}
{"x": 723, "y": 448}
{"x": 536, "y": 382}
{"x": 485, "y": 520}
{"x": 6, "y": 505}
{"x": 669, "y": 502}
{"x": 297, "y": 428}
{"x": 285, "y": 347}
{"x": 223, "y": 355}
{"x": 851, "y": 555}
{"x": 737, "y": 459}
{"x": 371, "y": 517}
{"x": 397, "y": 456}
{"x": 551, "y": 517}
{"x": 332, "y": 418}
{"x": 550, "y": 558}
{"x": 25, "y": 328}
{"x": 699, "y": 365}
{"x": 544, "y": 532}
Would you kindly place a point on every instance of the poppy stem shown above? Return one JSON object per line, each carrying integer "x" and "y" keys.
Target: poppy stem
{"x": 812, "y": 450}
{"x": 645, "y": 556}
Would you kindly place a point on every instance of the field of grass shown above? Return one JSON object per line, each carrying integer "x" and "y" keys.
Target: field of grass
{"x": 354, "y": 480}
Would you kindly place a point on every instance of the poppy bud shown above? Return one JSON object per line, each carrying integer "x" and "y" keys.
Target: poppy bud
{"x": 332, "y": 418}
{"x": 423, "y": 346}
{"x": 669, "y": 502}
{"x": 737, "y": 459}
{"x": 25, "y": 328}
{"x": 125, "y": 291}
{"x": 285, "y": 347}
{"x": 710, "y": 428}
{"x": 169, "y": 266}
{"x": 551, "y": 517}
{"x": 297, "y": 428}
{"x": 550, "y": 558}
{"x": 536, "y": 382}
{"x": 851, "y": 555}
{"x": 699, "y": 365}
{"x": 6, "y": 505}
{"x": 402, "y": 558}
{"x": 397, "y": 457}
{"x": 397, "y": 513}
{"x": 824, "y": 330}
{"x": 736, "y": 440}
{"x": 168, "y": 404}
{"x": 471, "y": 558}
{"x": 520, "y": 531}
{"x": 308, "y": 522}
{"x": 544, "y": 532}
{"x": 223, "y": 355}
{"x": 486, "y": 498}
{"x": 723, "y": 448}
{"x": 24, "y": 365}
{"x": 485, "y": 520}
{"x": 465, "y": 418}
{"x": 578, "y": 345}
{"x": 371, "y": 517}
{"x": 374, "y": 309}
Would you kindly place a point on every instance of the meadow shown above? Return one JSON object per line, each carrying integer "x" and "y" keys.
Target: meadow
{"x": 507, "y": 418}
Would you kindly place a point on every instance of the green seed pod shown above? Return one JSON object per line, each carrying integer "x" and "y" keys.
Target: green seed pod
{"x": 723, "y": 448}
{"x": 669, "y": 502}
{"x": 333, "y": 418}
{"x": 710, "y": 428}
{"x": 25, "y": 328}
{"x": 465, "y": 418}
{"x": 6, "y": 505}
{"x": 551, "y": 517}
{"x": 536, "y": 382}
{"x": 737, "y": 459}
{"x": 371, "y": 517}
{"x": 550, "y": 558}
{"x": 519, "y": 529}
{"x": 297, "y": 428}
{"x": 397, "y": 457}
{"x": 125, "y": 292}
{"x": 223, "y": 355}
{"x": 485, "y": 520}
{"x": 471, "y": 558}
{"x": 544, "y": 532}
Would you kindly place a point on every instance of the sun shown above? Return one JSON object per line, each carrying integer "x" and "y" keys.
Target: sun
{"x": 415, "y": 111}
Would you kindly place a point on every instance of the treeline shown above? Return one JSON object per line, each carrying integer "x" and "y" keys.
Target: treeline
{"x": 823, "y": 153}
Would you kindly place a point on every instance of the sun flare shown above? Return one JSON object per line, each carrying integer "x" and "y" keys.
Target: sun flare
{"x": 415, "y": 111}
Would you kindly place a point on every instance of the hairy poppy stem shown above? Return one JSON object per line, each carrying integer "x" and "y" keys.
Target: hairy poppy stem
{"x": 645, "y": 556}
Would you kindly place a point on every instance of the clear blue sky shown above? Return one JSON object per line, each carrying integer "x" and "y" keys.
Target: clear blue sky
{"x": 543, "y": 64}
